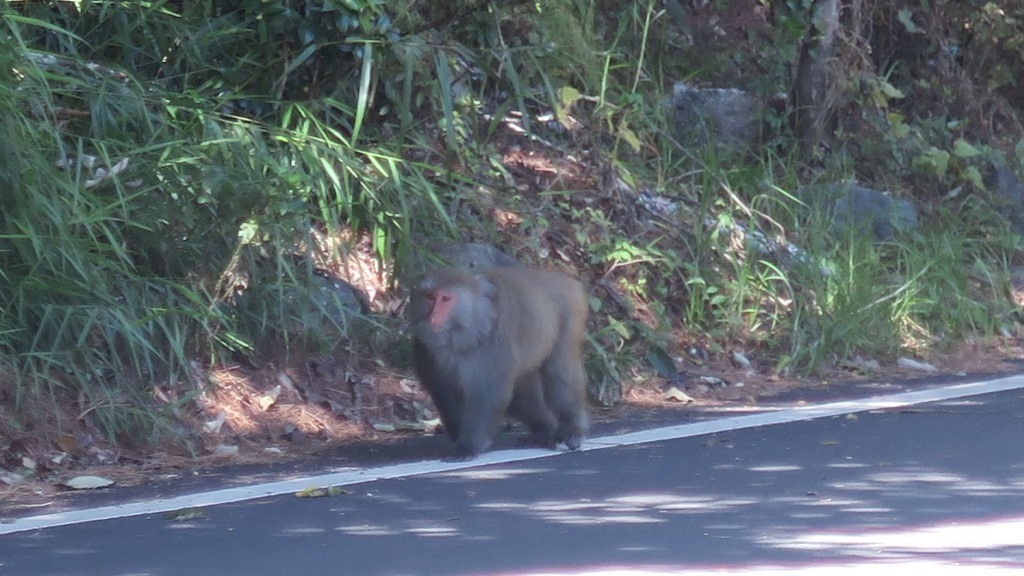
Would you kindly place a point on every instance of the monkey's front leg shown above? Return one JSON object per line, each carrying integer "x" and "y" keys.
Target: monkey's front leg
{"x": 486, "y": 401}
{"x": 442, "y": 387}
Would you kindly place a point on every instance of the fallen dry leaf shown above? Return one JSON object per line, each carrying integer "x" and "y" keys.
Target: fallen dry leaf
{"x": 87, "y": 482}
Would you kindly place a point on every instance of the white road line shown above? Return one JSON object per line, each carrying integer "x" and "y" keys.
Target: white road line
{"x": 350, "y": 476}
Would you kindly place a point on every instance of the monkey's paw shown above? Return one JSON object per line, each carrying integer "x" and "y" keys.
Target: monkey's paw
{"x": 573, "y": 443}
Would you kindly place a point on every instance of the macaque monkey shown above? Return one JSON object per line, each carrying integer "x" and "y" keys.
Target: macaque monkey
{"x": 502, "y": 341}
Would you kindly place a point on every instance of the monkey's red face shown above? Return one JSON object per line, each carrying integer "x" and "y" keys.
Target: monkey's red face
{"x": 453, "y": 309}
{"x": 441, "y": 303}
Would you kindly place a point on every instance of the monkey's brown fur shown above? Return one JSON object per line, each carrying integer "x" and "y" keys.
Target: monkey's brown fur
{"x": 502, "y": 341}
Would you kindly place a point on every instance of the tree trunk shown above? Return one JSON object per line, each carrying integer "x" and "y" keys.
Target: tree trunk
{"x": 812, "y": 90}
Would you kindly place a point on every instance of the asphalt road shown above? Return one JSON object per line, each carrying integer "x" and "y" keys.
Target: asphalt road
{"x": 931, "y": 488}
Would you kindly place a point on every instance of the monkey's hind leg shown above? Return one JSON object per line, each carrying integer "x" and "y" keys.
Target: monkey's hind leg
{"x": 565, "y": 391}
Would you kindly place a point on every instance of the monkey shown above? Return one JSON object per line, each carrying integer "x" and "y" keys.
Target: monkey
{"x": 499, "y": 341}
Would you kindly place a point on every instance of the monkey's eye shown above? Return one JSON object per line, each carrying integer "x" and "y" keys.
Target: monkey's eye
{"x": 445, "y": 298}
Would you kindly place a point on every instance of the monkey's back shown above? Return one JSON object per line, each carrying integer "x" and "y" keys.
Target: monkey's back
{"x": 542, "y": 308}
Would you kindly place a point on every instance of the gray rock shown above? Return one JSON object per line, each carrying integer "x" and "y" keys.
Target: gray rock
{"x": 1009, "y": 195}
{"x": 726, "y": 118}
{"x": 333, "y": 292}
{"x": 467, "y": 255}
{"x": 470, "y": 255}
{"x": 314, "y": 312}
{"x": 854, "y": 207}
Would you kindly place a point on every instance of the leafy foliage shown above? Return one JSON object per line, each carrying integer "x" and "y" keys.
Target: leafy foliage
{"x": 184, "y": 180}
